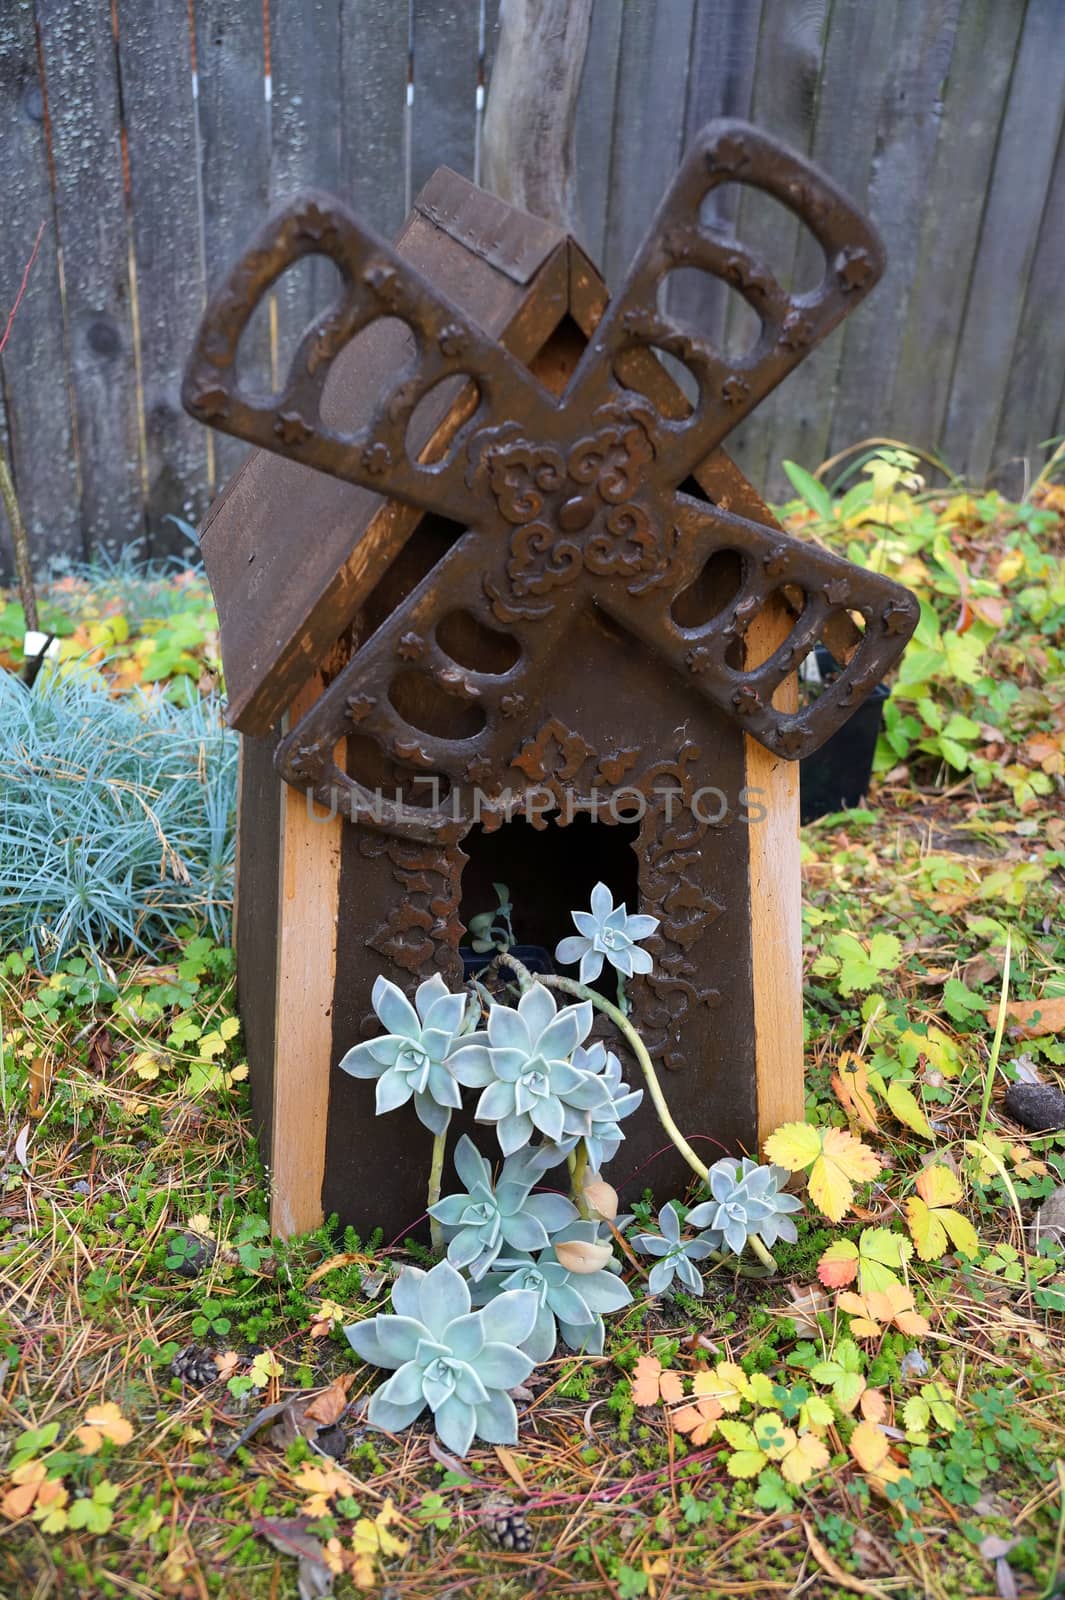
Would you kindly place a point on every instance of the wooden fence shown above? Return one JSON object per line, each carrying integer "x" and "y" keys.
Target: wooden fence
{"x": 151, "y": 136}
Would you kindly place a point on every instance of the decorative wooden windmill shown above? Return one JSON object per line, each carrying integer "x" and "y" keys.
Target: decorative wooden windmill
{"x": 502, "y": 554}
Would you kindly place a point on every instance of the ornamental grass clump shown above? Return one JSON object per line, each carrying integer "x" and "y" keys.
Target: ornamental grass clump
{"x": 116, "y": 816}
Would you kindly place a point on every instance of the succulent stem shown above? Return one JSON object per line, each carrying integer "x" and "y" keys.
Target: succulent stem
{"x": 764, "y": 1254}
{"x": 436, "y": 1173}
{"x": 578, "y": 1170}
{"x": 582, "y": 992}
{"x": 639, "y": 1050}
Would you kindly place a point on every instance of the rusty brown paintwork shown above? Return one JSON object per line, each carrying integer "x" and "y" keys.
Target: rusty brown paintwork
{"x": 570, "y": 501}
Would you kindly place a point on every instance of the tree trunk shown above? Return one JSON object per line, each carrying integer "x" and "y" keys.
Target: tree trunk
{"x": 527, "y": 149}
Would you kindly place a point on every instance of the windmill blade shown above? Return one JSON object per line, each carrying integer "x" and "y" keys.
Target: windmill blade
{"x": 376, "y": 282}
{"x": 729, "y": 388}
{"x": 771, "y": 562}
{"x": 444, "y": 723}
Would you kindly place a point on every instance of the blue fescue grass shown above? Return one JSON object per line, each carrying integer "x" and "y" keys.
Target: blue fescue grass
{"x": 116, "y": 817}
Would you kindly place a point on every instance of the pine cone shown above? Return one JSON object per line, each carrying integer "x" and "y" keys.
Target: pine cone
{"x": 505, "y": 1524}
{"x": 195, "y": 1365}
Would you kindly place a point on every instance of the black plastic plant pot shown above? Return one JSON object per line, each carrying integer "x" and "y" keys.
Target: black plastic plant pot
{"x": 836, "y": 777}
{"x": 532, "y": 956}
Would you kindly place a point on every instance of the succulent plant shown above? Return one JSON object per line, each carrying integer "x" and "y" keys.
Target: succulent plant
{"x": 414, "y": 1056}
{"x": 599, "y": 1128}
{"x": 460, "y": 1363}
{"x": 610, "y": 933}
{"x": 524, "y": 1069}
{"x": 677, "y": 1256}
{"x": 746, "y": 1198}
{"x": 488, "y": 1217}
{"x": 568, "y": 1303}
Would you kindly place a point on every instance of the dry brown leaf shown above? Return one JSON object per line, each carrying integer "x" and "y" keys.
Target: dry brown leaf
{"x": 40, "y": 1076}
{"x": 103, "y": 1422}
{"x": 873, "y": 1405}
{"x": 510, "y": 1467}
{"x": 850, "y": 1081}
{"x": 327, "y": 1407}
{"x": 1031, "y": 1019}
{"x": 699, "y": 1419}
{"x": 346, "y": 1260}
{"x": 869, "y": 1446}
{"x": 808, "y": 1301}
{"x": 650, "y": 1383}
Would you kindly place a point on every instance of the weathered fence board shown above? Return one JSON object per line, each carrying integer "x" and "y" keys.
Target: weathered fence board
{"x": 33, "y": 366}
{"x": 595, "y": 123}
{"x": 1024, "y": 160}
{"x": 977, "y": 81}
{"x": 648, "y": 134}
{"x": 724, "y": 52}
{"x": 784, "y": 94}
{"x": 445, "y": 50}
{"x": 155, "y": 61}
{"x": 305, "y": 56}
{"x": 907, "y": 129}
{"x": 946, "y": 118}
{"x": 1036, "y": 382}
{"x": 374, "y": 177}
{"x": 84, "y": 106}
{"x": 234, "y": 161}
{"x": 843, "y": 139}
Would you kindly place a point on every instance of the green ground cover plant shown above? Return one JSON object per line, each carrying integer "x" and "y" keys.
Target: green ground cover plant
{"x": 181, "y": 1413}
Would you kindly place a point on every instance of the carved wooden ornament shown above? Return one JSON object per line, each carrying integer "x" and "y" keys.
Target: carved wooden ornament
{"x": 570, "y": 501}
{"x": 548, "y": 651}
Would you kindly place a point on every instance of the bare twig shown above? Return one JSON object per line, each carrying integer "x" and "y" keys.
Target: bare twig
{"x": 22, "y": 288}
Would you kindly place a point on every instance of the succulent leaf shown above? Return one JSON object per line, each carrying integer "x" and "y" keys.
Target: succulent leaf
{"x": 524, "y": 1069}
{"x": 458, "y": 1362}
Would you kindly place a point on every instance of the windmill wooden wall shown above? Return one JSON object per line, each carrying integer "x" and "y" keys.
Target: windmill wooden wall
{"x": 150, "y": 136}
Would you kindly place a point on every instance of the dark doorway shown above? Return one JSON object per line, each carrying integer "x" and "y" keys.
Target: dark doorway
{"x": 550, "y": 872}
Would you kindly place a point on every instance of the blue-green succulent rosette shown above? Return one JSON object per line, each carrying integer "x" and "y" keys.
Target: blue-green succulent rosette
{"x": 524, "y": 1068}
{"x": 569, "y": 1304}
{"x": 490, "y": 1217}
{"x": 458, "y": 1362}
{"x": 676, "y": 1256}
{"x": 600, "y": 1128}
{"x": 745, "y": 1198}
{"x": 413, "y": 1058}
{"x": 607, "y": 933}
